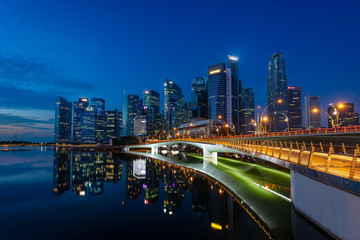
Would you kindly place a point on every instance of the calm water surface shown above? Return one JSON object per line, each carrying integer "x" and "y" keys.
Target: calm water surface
{"x": 48, "y": 194}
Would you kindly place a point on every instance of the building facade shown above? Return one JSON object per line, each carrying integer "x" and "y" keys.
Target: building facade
{"x": 344, "y": 113}
{"x": 233, "y": 65}
{"x": 140, "y": 126}
{"x": 113, "y": 124}
{"x": 63, "y": 110}
{"x": 312, "y": 119}
{"x": 133, "y": 108}
{"x": 295, "y": 116}
{"x": 173, "y": 105}
{"x": 88, "y": 126}
{"x": 79, "y": 109}
{"x": 217, "y": 83}
{"x": 277, "y": 93}
{"x": 247, "y": 111}
{"x": 100, "y": 119}
{"x": 151, "y": 107}
{"x": 199, "y": 98}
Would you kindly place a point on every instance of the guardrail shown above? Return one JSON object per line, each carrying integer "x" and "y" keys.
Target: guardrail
{"x": 341, "y": 162}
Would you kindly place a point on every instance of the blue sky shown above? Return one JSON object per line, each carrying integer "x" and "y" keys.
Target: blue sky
{"x": 101, "y": 48}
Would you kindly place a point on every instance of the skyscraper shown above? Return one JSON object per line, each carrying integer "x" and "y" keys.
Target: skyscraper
{"x": 100, "y": 119}
{"x": 151, "y": 105}
{"x": 140, "y": 126}
{"x": 63, "y": 111}
{"x": 173, "y": 105}
{"x": 248, "y": 111}
{"x": 312, "y": 118}
{"x": 113, "y": 124}
{"x": 88, "y": 125}
{"x": 295, "y": 108}
{"x": 79, "y": 109}
{"x": 217, "y": 91}
{"x": 199, "y": 98}
{"x": 134, "y": 108}
{"x": 277, "y": 90}
{"x": 233, "y": 64}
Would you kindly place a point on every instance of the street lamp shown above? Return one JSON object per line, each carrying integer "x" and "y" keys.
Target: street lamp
{"x": 287, "y": 120}
{"x": 174, "y": 129}
{"x": 265, "y": 120}
{"x": 337, "y": 111}
{"x": 277, "y": 101}
{"x": 315, "y": 110}
{"x": 227, "y": 129}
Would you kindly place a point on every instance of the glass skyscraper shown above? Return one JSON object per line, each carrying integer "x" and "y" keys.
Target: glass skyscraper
{"x": 277, "y": 89}
{"x": 233, "y": 65}
{"x": 63, "y": 110}
{"x": 113, "y": 124}
{"x": 151, "y": 105}
{"x": 88, "y": 125}
{"x": 248, "y": 111}
{"x": 100, "y": 119}
{"x": 173, "y": 105}
{"x": 79, "y": 109}
{"x": 217, "y": 91}
{"x": 133, "y": 109}
{"x": 199, "y": 98}
{"x": 312, "y": 119}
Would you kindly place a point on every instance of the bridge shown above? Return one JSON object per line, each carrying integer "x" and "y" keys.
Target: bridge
{"x": 325, "y": 178}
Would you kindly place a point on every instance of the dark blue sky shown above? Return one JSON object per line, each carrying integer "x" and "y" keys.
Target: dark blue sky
{"x": 101, "y": 48}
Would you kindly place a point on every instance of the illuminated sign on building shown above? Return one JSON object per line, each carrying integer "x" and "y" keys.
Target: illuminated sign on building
{"x": 84, "y": 99}
{"x": 233, "y": 58}
{"x": 214, "y": 71}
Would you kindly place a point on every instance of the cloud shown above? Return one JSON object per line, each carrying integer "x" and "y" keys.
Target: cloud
{"x": 30, "y": 83}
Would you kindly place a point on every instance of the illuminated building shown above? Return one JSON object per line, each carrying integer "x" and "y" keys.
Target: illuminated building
{"x": 151, "y": 186}
{"x": 79, "y": 109}
{"x": 63, "y": 111}
{"x": 100, "y": 119}
{"x": 312, "y": 118}
{"x": 173, "y": 105}
{"x": 233, "y": 65}
{"x": 140, "y": 126}
{"x": 151, "y": 105}
{"x": 347, "y": 116}
{"x": 132, "y": 108}
{"x": 277, "y": 89}
{"x": 247, "y": 113}
{"x": 113, "y": 124}
{"x": 133, "y": 186}
{"x": 295, "y": 108}
{"x": 61, "y": 172}
{"x": 88, "y": 126}
{"x": 199, "y": 98}
{"x": 217, "y": 91}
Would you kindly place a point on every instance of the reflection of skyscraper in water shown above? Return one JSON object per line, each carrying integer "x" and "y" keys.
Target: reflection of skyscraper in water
{"x": 151, "y": 186}
{"x": 133, "y": 185}
{"x": 199, "y": 196}
{"x": 61, "y": 172}
{"x": 218, "y": 202}
{"x": 113, "y": 169}
{"x": 139, "y": 168}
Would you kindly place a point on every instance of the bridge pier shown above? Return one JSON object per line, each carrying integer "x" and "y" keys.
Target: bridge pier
{"x": 332, "y": 209}
{"x": 154, "y": 150}
{"x": 210, "y": 156}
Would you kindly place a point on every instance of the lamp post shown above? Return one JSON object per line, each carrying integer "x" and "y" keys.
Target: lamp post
{"x": 277, "y": 101}
{"x": 227, "y": 129}
{"x": 174, "y": 129}
{"x": 287, "y": 120}
{"x": 337, "y": 111}
{"x": 315, "y": 110}
{"x": 265, "y": 120}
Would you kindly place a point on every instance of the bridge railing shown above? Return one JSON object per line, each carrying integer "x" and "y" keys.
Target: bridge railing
{"x": 329, "y": 159}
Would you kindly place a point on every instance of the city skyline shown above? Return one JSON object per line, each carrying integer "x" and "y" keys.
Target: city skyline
{"x": 40, "y": 61}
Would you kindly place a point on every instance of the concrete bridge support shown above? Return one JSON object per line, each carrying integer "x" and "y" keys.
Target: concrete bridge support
{"x": 210, "y": 156}
{"x": 154, "y": 150}
{"x": 334, "y": 210}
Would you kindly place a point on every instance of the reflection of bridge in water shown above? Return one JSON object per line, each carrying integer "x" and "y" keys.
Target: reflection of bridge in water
{"x": 325, "y": 185}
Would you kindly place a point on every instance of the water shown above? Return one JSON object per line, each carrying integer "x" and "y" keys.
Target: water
{"x": 48, "y": 194}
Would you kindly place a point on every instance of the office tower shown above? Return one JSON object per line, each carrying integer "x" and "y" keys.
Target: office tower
{"x": 151, "y": 106}
{"x": 199, "y": 98}
{"x": 100, "y": 119}
{"x": 88, "y": 125}
{"x": 140, "y": 126}
{"x": 295, "y": 108}
{"x": 133, "y": 108}
{"x": 188, "y": 112}
{"x": 312, "y": 118}
{"x": 217, "y": 91}
{"x": 228, "y": 101}
{"x": 344, "y": 113}
{"x": 247, "y": 111}
{"x": 233, "y": 65}
{"x": 173, "y": 105}
{"x": 79, "y": 108}
{"x": 113, "y": 124}
{"x": 277, "y": 90}
{"x": 125, "y": 113}
{"x": 63, "y": 111}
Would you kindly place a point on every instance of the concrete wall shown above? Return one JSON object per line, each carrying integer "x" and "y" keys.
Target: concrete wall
{"x": 335, "y": 211}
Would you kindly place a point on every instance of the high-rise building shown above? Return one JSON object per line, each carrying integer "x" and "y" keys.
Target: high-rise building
{"x": 100, "y": 119}
{"x": 113, "y": 124}
{"x": 88, "y": 125}
{"x": 151, "y": 107}
{"x": 295, "y": 108}
{"x": 173, "y": 105}
{"x": 277, "y": 90}
{"x": 199, "y": 98}
{"x": 188, "y": 112}
{"x": 133, "y": 108}
{"x": 312, "y": 118}
{"x": 63, "y": 111}
{"x": 140, "y": 126}
{"x": 79, "y": 109}
{"x": 248, "y": 111}
{"x": 125, "y": 113}
{"x": 344, "y": 112}
{"x": 217, "y": 83}
{"x": 233, "y": 64}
